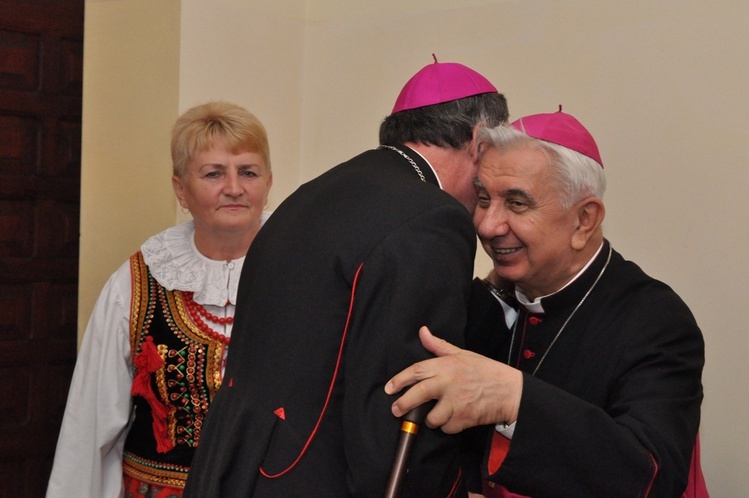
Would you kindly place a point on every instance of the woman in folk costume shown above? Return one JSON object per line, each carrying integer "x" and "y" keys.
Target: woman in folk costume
{"x": 153, "y": 352}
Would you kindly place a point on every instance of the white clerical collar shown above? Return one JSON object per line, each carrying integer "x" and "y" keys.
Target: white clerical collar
{"x": 535, "y": 306}
{"x": 431, "y": 167}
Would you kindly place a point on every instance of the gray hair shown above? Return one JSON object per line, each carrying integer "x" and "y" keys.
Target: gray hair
{"x": 577, "y": 175}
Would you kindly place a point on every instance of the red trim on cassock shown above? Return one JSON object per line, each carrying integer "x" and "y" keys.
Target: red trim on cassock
{"x": 330, "y": 388}
{"x": 696, "y": 487}
{"x": 456, "y": 483}
{"x": 652, "y": 480}
{"x": 498, "y": 452}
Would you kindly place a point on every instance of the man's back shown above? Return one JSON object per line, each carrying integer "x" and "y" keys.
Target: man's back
{"x": 333, "y": 292}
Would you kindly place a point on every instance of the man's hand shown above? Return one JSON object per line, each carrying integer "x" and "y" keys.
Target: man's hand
{"x": 471, "y": 389}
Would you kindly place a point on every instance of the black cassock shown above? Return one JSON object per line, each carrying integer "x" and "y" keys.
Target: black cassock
{"x": 332, "y": 294}
{"x": 614, "y": 407}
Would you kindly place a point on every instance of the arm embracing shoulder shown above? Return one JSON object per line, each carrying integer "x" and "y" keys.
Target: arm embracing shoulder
{"x": 418, "y": 275}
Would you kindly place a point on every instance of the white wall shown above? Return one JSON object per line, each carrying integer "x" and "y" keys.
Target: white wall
{"x": 661, "y": 84}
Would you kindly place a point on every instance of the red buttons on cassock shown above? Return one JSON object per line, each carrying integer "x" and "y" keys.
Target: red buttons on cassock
{"x": 534, "y": 320}
{"x": 528, "y": 354}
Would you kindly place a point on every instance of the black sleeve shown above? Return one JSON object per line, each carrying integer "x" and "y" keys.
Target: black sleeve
{"x": 419, "y": 275}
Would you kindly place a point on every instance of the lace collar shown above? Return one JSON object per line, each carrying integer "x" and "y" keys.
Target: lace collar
{"x": 176, "y": 264}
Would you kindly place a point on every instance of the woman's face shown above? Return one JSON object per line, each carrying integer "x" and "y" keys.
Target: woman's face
{"x": 225, "y": 192}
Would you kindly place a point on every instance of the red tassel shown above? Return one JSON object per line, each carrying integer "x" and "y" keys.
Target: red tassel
{"x": 147, "y": 362}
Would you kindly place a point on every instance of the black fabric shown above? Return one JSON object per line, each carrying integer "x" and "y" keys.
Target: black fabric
{"x": 615, "y": 406}
{"x": 415, "y": 245}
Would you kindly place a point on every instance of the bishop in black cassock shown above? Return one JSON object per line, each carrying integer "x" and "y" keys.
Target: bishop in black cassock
{"x": 332, "y": 293}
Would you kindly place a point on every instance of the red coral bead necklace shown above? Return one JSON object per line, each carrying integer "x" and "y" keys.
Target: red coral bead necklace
{"x": 196, "y": 311}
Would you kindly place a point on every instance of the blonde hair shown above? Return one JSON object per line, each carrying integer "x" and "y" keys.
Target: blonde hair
{"x": 200, "y": 127}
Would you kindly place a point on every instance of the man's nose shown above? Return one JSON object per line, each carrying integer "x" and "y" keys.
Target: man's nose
{"x": 491, "y": 222}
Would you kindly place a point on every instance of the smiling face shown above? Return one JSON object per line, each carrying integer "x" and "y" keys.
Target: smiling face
{"x": 224, "y": 191}
{"x": 522, "y": 226}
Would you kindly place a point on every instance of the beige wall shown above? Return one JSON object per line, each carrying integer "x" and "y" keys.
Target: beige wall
{"x": 130, "y": 100}
{"x": 249, "y": 52}
{"x": 661, "y": 84}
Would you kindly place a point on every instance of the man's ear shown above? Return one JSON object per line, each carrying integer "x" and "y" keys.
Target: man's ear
{"x": 590, "y": 214}
{"x": 473, "y": 146}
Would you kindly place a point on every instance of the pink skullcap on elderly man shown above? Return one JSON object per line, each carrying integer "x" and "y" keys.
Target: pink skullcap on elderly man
{"x": 439, "y": 83}
{"x": 561, "y": 129}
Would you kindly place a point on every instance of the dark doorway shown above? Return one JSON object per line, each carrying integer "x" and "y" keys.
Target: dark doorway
{"x": 41, "y": 71}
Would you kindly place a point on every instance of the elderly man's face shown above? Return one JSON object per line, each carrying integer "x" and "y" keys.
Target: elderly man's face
{"x": 520, "y": 221}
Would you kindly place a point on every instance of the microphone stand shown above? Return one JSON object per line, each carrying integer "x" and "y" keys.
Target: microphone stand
{"x": 410, "y": 424}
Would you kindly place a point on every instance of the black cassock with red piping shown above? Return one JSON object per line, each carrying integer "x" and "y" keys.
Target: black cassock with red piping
{"x": 333, "y": 292}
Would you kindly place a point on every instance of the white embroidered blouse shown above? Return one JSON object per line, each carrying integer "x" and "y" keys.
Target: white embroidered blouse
{"x": 88, "y": 459}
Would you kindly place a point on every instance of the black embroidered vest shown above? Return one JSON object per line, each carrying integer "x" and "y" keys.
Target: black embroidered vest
{"x": 177, "y": 371}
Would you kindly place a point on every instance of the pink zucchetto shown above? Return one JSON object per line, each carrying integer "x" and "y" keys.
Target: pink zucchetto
{"x": 561, "y": 129}
{"x": 439, "y": 83}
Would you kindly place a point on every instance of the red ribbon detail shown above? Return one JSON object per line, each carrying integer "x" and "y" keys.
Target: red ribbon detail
{"x": 146, "y": 363}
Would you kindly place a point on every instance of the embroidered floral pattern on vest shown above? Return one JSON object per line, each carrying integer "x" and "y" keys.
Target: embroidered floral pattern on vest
{"x": 177, "y": 373}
